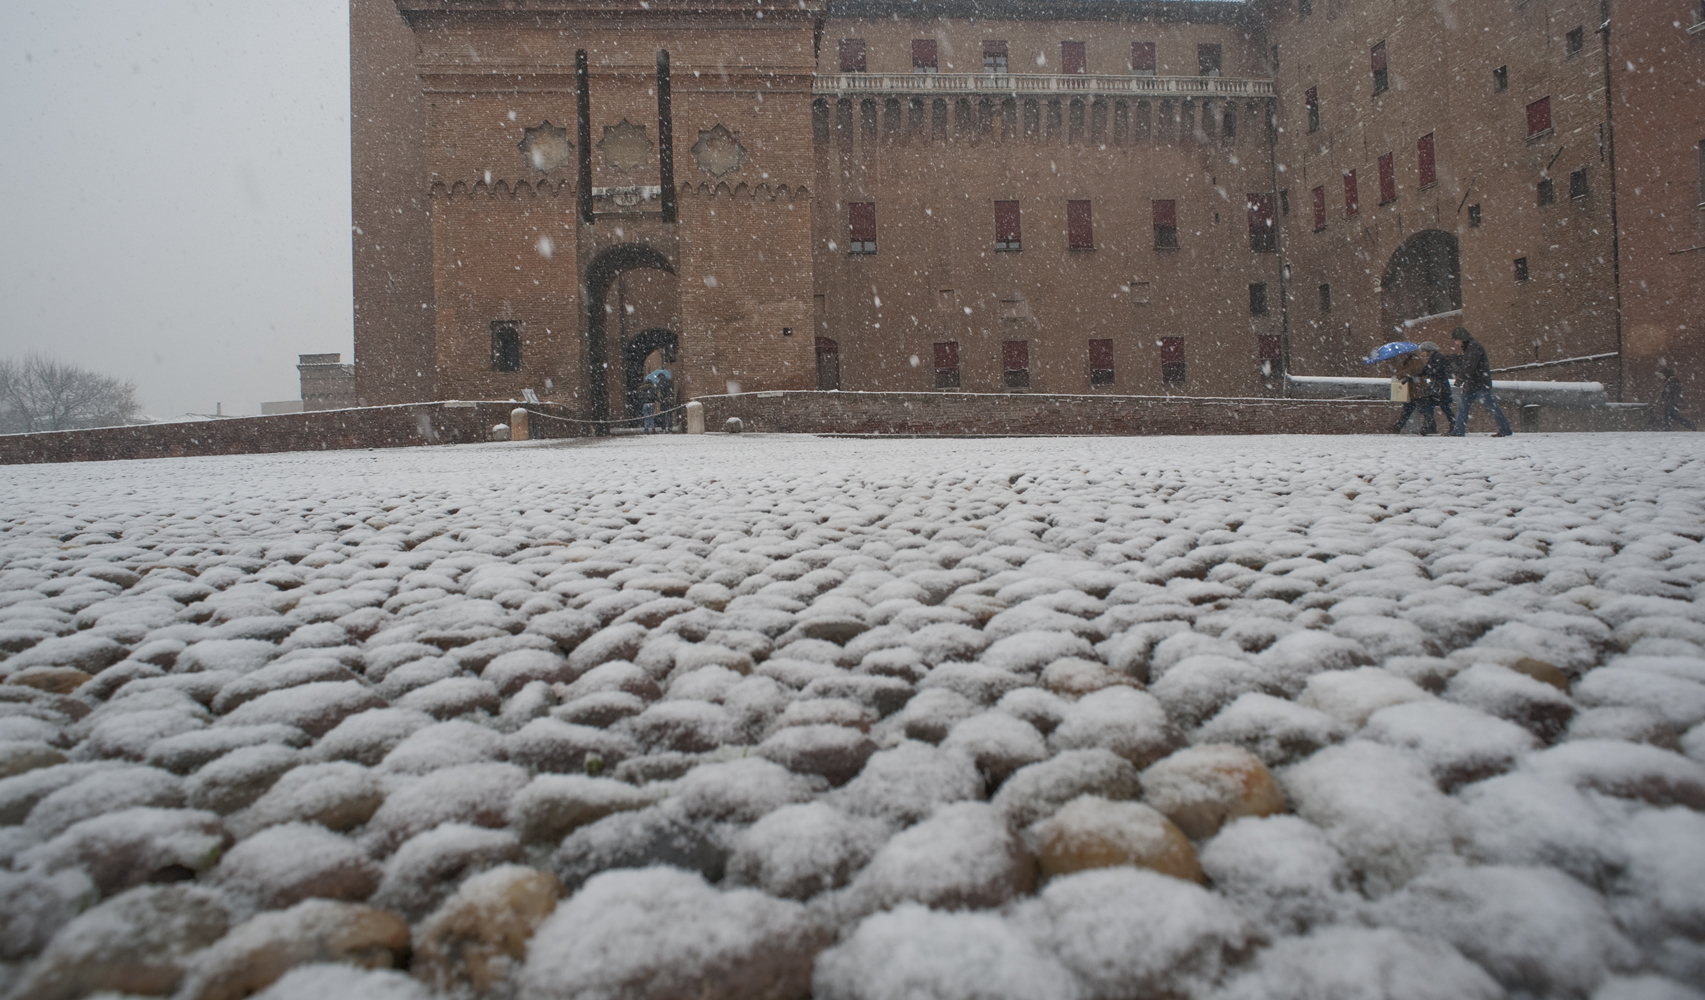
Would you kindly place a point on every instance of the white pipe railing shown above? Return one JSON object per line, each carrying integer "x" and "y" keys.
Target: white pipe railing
{"x": 1039, "y": 83}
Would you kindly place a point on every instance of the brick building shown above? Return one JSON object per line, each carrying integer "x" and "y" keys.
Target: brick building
{"x": 1153, "y": 196}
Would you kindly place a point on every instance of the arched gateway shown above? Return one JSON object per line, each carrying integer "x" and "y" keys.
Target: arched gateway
{"x": 603, "y": 270}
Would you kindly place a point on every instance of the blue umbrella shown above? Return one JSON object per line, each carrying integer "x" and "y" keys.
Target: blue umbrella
{"x": 660, "y": 373}
{"x": 1391, "y": 350}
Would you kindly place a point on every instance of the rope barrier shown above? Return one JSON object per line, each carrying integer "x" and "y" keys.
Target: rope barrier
{"x": 619, "y": 420}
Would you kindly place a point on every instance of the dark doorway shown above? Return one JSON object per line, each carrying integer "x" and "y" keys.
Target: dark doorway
{"x": 634, "y": 370}
{"x": 599, "y": 274}
{"x": 828, "y": 364}
{"x": 1423, "y": 278}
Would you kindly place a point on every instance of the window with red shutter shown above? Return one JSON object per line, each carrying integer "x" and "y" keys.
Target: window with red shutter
{"x": 1312, "y": 98}
{"x": 1425, "y": 167}
{"x": 1319, "y": 208}
{"x": 1142, "y": 58}
{"x": 1172, "y": 360}
{"x": 1071, "y": 57}
{"x": 1007, "y": 233}
{"x": 1015, "y": 364}
{"x": 947, "y": 365}
{"x": 1101, "y": 362}
{"x": 1165, "y": 224}
{"x": 1080, "y": 230}
{"x": 1263, "y": 235}
{"x": 861, "y": 227}
{"x": 1352, "y": 203}
{"x": 923, "y": 55}
{"x": 1381, "y": 78}
{"x": 1272, "y": 349}
{"x": 1539, "y": 117}
{"x": 1387, "y": 179}
{"x": 994, "y": 56}
{"x": 852, "y": 55}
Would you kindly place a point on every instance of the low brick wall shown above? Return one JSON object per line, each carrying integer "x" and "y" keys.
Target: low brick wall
{"x": 317, "y": 430}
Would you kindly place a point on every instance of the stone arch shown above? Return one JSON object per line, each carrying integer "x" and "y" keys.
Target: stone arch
{"x": 1423, "y": 278}
{"x": 603, "y": 270}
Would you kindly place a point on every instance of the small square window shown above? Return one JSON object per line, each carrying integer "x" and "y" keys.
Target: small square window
{"x": 1539, "y": 117}
{"x": 1271, "y": 348}
{"x": 1165, "y": 224}
{"x": 1474, "y": 216}
{"x": 1576, "y": 41}
{"x": 1547, "y": 191}
{"x": 947, "y": 365}
{"x": 1080, "y": 228}
{"x": 1381, "y": 77}
{"x": 505, "y": 346}
{"x": 1101, "y": 362}
{"x": 1015, "y": 364}
{"x": 1258, "y": 299}
{"x": 852, "y": 55}
{"x": 1008, "y": 235}
{"x": 1014, "y": 310}
{"x": 1319, "y": 195}
{"x": 1140, "y": 291}
{"x": 1501, "y": 79}
{"x": 1521, "y": 268}
{"x": 1172, "y": 360}
{"x": 1325, "y": 293}
{"x": 1312, "y": 98}
{"x": 923, "y": 55}
{"x": 1578, "y": 184}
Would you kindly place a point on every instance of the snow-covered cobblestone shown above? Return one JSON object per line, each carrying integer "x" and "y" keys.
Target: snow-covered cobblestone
{"x": 862, "y": 720}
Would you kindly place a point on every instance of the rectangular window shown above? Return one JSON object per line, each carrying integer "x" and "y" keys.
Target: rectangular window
{"x": 1387, "y": 179}
{"x": 1381, "y": 78}
{"x": 994, "y": 57}
{"x": 1271, "y": 348}
{"x": 1208, "y": 59}
{"x": 1501, "y": 79}
{"x": 1352, "y": 203}
{"x": 1071, "y": 57}
{"x": 1007, "y": 233}
{"x": 1426, "y": 167}
{"x": 1142, "y": 58}
{"x": 1285, "y": 202}
{"x": 861, "y": 227}
{"x": 1165, "y": 224}
{"x": 852, "y": 55}
{"x": 1263, "y": 235}
{"x": 1521, "y": 268}
{"x": 1578, "y": 184}
{"x": 1576, "y": 41}
{"x": 1702, "y": 162}
{"x": 505, "y": 346}
{"x": 1258, "y": 299}
{"x": 1015, "y": 364}
{"x": 1319, "y": 209}
{"x": 1312, "y": 97}
{"x": 1172, "y": 360}
{"x": 947, "y": 365}
{"x": 1080, "y": 229}
{"x": 1539, "y": 117}
{"x": 923, "y": 55}
{"x": 1474, "y": 216}
{"x": 1325, "y": 293}
{"x": 1547, "y": 191}
{"x": 1101, "y": 362}
{"x": 1140, "y": 291}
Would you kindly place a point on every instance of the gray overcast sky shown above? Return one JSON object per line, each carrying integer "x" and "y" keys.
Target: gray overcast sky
{"x": 176, "y": 180}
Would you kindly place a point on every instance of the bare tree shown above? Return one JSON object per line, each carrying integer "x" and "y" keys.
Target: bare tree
{"x": 39, "y": 393}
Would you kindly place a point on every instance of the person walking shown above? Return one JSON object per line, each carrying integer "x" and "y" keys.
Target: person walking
{"x": 1428, "y": 376}
{"x": 648, "y": 406}
{"x": 1669, "y": 402}
{"x": 1474, "y": 377}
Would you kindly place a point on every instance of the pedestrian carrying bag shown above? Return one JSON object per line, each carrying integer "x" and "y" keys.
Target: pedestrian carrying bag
{"x": 1399, "y": 391}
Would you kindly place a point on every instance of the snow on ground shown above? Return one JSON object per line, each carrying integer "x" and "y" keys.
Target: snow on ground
{"x": 859, "y": 720}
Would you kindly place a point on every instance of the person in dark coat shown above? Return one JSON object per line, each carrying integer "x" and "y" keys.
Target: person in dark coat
{"x": 1474, "y": 377}
{"x": 1669, "y": 402}
{"x": 1428, "y": 375}
{"x": 648, "y": 406}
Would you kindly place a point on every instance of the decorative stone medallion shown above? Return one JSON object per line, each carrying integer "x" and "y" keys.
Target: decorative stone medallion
{"x": 546, "y": 147}
{"x": 625, "y": 146}
{"x": 718, "y": 152}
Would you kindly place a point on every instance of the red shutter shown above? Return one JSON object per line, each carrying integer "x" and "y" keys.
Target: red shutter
{"x": 1172, "y": 350}
{"x": 1262, "y": 235}
{"x": 1424, "y": 164}
{"x": 852, "y": 55}
{"x": 1166, "y": 214}
{"x": 1142, "y": 57}
{"x": 1387, "y": 180}
{"x": 1271, "y": 348}
{"x": 861, "y": 221}
{"x": 1080, "y": 231}
{"x": 1007, "y": 234}
{"x": 947, "y": 356}
{"x": 1101, "y": 355}
{"x": 1319, "y": 209}
{"x": 1071, "y": 57}
{"x": 923, "y": 53}
{"x": 1539, "y": 116}
{"x": 1015, "y": 356}
{"x": 1351, "y": 203}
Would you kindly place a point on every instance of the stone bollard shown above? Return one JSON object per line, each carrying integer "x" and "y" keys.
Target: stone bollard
{"x": 734, "y": 425}
{"x": 518, "y": 424}
{"x": 499, "y": 432}
{"x": 695, "y": 417}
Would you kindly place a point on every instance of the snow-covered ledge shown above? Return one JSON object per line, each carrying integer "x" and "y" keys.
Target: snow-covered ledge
{"x": 1574, "y": 395}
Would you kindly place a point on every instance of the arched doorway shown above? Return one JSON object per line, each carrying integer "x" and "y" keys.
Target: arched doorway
{"x": 603, "y": 270}
{"x": 634, "y": 367}
{"x": 1423, "y": 278}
